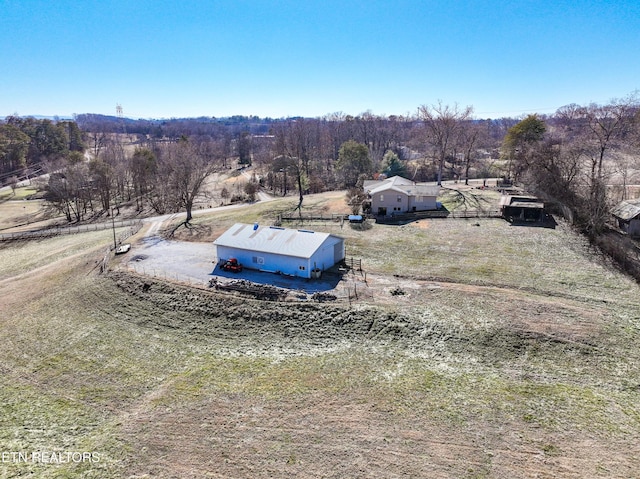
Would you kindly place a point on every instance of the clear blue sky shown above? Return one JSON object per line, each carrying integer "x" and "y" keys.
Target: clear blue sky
{"x": 161, "y": 59}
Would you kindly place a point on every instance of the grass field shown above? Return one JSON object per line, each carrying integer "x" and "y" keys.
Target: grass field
{"x": 512, "y": 353}
{"x": 19, "y": 193}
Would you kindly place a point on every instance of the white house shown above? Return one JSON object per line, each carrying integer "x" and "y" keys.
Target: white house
{"x": 397, "y": 195}
{"x": 282, "y": 250}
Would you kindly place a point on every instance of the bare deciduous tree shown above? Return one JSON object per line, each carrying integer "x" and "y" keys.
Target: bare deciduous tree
{"x": 442, "y": 123}
{"x": 186, "y": 167}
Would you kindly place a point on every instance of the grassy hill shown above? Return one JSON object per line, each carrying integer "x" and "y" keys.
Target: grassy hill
{"x": 512, "y": 352}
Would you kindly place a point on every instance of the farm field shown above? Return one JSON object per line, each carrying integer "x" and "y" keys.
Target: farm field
{"x": 506, "y": 352}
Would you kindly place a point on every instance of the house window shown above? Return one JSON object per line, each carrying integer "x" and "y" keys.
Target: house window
{"x": 258, "y": 260}
{"x": 399, "y": 199}
{"x": 381, "y": 197}
{"x": 301, "y": 268}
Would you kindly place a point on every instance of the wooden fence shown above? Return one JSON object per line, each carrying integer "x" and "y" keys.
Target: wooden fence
{"x": 475, "y": 214}
{"x": 353, "y": 264}
{"x": 335, "y": 217}
{"x": 421, "y": 215}
{"x": 57, "y": 231}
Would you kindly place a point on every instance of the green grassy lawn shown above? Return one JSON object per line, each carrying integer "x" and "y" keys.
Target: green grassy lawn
{"x": 19, "y": 193}
{"x": 489, "y": 251}
{"x": 476, "y": 251}
{"x": 20, "y": 213}
{"x": 23, "y": 256}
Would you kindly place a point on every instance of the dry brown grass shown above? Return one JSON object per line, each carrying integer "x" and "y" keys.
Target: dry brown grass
{"x": 519, "y": 364}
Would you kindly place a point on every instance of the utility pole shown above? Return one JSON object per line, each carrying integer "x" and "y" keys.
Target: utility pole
{"x": 113, "y": 225}
{"x": 284, "y": 170}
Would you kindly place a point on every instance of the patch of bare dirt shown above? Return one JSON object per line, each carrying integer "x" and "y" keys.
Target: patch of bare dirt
{"x": 336, "y": 437}
{"x": 422, "y": 224}
{"x": 193, "y": 233}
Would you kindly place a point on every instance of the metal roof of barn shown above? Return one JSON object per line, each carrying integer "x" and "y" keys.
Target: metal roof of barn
{"x": 272, "y": 239}
{"x": 627, "y": 210}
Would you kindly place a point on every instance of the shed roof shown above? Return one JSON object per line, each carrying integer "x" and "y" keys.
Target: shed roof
{"x": 522, "y": 201}
{"x": 627, "y": 210}
{"x": 272, "y": 239}
{"x": 535, "y": 205}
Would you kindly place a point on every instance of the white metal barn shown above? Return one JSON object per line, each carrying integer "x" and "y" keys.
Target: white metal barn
{"x": 283, "y": 250}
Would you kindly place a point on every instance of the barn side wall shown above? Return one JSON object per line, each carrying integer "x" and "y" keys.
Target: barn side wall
{"x": 329, "y": 253}
{"x": 270, "y": 262}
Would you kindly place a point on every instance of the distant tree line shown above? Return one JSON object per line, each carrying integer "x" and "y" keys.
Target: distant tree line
{"x": 311, "y": 146}
{"x": 25, "y": 143}
{"x": 569, "y": 158}
{"x": 98, "y": 163}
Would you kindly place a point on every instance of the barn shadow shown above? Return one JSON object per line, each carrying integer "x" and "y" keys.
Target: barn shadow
{"x": 327, "y": 282}
{"x": 547, "y": 222}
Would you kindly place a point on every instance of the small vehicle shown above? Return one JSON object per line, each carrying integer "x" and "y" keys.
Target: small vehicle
{"x": 123, "y": 248}
{"x": 232, "y": 265}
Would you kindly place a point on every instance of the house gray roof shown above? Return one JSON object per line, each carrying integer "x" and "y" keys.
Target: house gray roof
{"x": 394, "y": 180}
{"x": 401, "y": 185}
{"x": 627, "y": 210}
{"x": 272, "y": 239}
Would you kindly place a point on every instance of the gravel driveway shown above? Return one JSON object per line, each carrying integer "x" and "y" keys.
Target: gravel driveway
{"x": 197, "y": 263}
{"x": 181, "y": 260}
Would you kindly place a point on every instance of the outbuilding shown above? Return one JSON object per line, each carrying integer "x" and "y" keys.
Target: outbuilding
{"x": 302, "y": 253}
{"x": 522, "y": 208}
{"x": 627, "y": 213}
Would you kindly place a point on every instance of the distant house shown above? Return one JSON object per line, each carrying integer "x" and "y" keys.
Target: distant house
{"x": 398, "y": 195}
{"x": 280, "y": 250}
{"x": 521, "y": 208}
{"x": 627, "y": 213}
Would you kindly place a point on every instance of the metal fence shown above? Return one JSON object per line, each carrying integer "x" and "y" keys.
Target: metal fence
{"x": 353, "y": 288}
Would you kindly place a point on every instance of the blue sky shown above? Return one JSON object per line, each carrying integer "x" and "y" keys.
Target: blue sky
{"x": 162, "y": 59}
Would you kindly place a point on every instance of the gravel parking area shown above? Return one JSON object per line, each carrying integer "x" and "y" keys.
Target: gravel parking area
{"x": 197, "y": 263}
{"x": 193, "y": 262}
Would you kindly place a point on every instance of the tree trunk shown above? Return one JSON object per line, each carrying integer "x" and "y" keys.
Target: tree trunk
{"x": 189, "y": 207}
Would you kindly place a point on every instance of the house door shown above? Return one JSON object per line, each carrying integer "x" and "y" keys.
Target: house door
{"x": 382, "y": 211}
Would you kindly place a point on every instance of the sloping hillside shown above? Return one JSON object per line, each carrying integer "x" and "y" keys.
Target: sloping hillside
{"x": 511, "y": 353}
